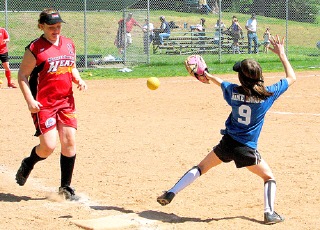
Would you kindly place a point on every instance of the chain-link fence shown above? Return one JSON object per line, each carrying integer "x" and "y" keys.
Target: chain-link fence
{"x": 93, "y": 26}
{"x": 215, "y": 27}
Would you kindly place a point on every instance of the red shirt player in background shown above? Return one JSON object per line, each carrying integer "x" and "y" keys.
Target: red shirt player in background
{"x": 125, "y": 38}
{"x": 4, "y": 39}
{"x": 45, "y": 77}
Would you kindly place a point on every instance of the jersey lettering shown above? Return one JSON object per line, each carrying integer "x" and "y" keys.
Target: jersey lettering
{"x": 54, "y": 65}
{"x": 241, "y": 97}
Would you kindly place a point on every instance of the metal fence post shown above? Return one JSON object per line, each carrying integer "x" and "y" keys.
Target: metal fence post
{"x": 85, "y": 34}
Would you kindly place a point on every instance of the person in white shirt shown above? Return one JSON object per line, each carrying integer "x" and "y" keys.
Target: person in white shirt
{"x": 148, "y": 35}
{"x": 251, "y": 27}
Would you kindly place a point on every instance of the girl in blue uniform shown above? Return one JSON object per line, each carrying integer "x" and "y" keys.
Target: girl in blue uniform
{"x": 249, "y": 103}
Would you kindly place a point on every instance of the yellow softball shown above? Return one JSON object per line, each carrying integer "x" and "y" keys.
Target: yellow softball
{"x": 153, "y": 83}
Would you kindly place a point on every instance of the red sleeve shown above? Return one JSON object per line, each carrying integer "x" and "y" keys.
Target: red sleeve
{"x": 6, "y": 35}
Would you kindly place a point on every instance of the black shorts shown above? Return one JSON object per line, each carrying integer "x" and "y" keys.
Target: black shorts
{"x": 4, "y": 57}
{"x": 231, "y": 150}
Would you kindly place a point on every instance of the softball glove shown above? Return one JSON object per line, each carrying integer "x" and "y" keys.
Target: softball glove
{"x": 197, "y": 67}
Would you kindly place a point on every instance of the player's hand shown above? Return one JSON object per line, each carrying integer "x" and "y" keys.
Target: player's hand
{"x": 34, "y": 106}
{"x": 277, "y": 45}
{"x": 82, "y": 85}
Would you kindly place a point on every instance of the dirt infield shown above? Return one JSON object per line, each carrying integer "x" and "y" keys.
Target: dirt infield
{"x": 133, "y": 143}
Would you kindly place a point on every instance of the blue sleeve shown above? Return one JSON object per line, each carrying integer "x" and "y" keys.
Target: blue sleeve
{"x": 278, "y": 88}
{"x": 227, "y": 89}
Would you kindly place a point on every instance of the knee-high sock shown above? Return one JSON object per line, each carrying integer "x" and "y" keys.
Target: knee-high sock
{"x": 8, "y": 75}
{"x": 270, "y": 188}
{"x": 189, "y": 177}
{"x": 66, "y": 167}
{"x": 33, "y": 158}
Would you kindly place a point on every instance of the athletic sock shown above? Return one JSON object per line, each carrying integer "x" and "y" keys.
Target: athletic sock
{"x": 33, "y": 158}
{"x": 8, "y": 75}
{"x": 66, "y": 167}
{"x": 189, "y": 177}
{"x": 270, "y": 188}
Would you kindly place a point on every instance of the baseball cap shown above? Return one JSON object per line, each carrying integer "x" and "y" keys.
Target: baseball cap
{"x": 237, "y": 67}
{"x": 51, "y": 19}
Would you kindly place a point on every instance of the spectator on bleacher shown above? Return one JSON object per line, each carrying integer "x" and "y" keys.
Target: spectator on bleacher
{"x": 199, "y": 27}
{"x": 251, "y": 27}
{"x": 129, "y": 23}
{"x": 147, "y": 35}
{"x": 236, "y": 34}
{"x": 204, "y": 5}
{"x": 219, "y": 31}
{"x": 219, "y": 26}
{"x": 266, "y": 42}
{"x": 165, "y": 29}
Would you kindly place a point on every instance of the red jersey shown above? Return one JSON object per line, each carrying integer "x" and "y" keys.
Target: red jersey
{"x": 3, "y": 35}
{"x": 51, "y": 80}
{"x": 129, "y": 24}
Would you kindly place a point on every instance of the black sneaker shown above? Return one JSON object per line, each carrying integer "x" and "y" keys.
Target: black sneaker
{"x": 165, "y": 198}
{"x": 68, "y": 193}
{"x": 23, "y": 173}
{"x": 272, "y": 218}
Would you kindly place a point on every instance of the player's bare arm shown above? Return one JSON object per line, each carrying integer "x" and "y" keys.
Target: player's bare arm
{"x": 81, "y": 85}
{"x": 27, "y": 65}
{"x": 278, "y": 48}
{"x": 214, "y": 79}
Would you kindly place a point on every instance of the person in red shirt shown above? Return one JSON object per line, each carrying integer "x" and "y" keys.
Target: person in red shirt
{"x": 45, "y": 77}
{"x": 125, "y": 26}
{"x": 4, "y": 57}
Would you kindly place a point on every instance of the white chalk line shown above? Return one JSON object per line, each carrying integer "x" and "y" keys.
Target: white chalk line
{"x": 291, "y": 113}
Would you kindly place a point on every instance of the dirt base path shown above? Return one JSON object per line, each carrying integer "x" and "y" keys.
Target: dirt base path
{"x": 133, "y": 143}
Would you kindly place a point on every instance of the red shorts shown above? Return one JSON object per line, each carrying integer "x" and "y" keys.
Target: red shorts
{"x": 47, "y": 119}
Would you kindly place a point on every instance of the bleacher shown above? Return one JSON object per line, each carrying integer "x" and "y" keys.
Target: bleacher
{"x": 191, "y": 42}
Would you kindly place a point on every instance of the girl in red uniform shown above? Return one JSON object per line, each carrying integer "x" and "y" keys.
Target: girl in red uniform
{"x": 45, "y": 78}
{"x": 4, "y": 57}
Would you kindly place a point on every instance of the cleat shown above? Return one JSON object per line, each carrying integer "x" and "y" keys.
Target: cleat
{"x": 165, "y": 198}
{"x": 68, "y": 193}
{"x": 12, "y": 85}
{"x": 23, "y": 173}
{"x": 272, "y": 218}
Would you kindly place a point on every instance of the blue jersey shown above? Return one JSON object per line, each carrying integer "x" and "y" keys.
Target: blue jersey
{"x": 245, "y": 121}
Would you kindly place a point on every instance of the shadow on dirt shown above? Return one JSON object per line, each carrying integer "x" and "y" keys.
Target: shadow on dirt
{"x": 171, "y": 217}
{"x": 8, "y": 197}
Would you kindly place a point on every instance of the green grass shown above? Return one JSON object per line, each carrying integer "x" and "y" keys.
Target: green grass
{"x": 174, "y": 66}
